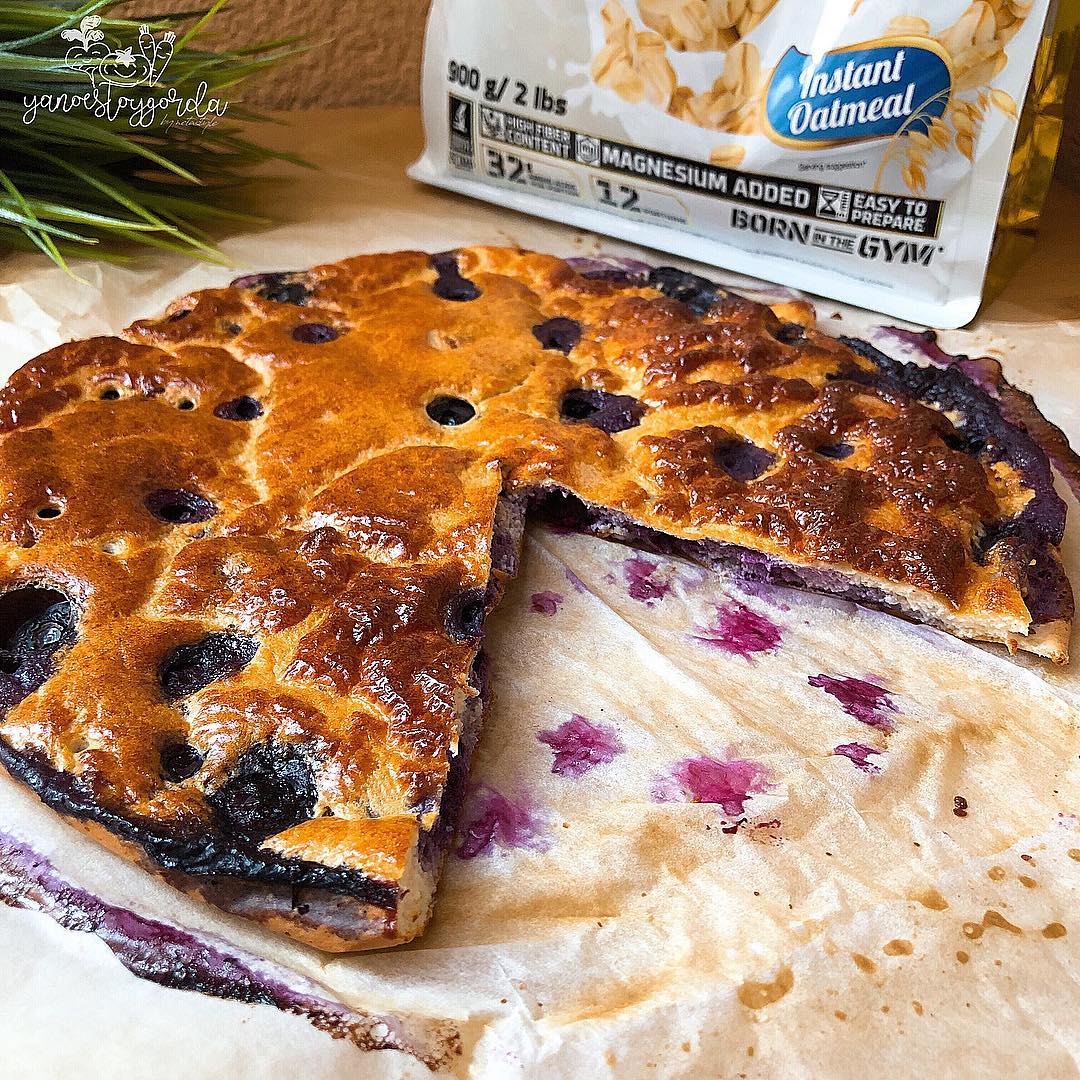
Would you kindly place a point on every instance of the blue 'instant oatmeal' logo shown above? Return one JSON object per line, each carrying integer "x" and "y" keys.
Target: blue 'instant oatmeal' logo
{"x": 867, "y": 91}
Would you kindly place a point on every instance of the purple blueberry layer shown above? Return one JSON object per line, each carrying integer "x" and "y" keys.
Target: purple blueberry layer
{"x": 507, "y": 537}
{"x": 435, "y": 842}
{"x": 610, "y": 268}
{"x": 177, "y": 958}
{"x": 1047, "y": 589}
{"x": 567, "y": 511}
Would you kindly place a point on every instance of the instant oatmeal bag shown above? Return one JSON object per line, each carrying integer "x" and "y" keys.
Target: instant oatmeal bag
{"x": 894, "y": 156}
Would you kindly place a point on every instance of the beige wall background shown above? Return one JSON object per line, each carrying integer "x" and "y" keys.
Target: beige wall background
{"x": 367, "y": 52}
{"x": 363, "y": 52}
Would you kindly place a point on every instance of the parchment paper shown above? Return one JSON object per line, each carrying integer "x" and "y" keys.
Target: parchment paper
{"x": 712, "y": 832}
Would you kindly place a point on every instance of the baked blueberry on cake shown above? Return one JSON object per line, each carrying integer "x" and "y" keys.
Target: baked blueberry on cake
{"x": 249, "y": 548}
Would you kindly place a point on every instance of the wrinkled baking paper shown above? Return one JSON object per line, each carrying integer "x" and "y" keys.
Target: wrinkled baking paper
{"x": 713, "y": 831}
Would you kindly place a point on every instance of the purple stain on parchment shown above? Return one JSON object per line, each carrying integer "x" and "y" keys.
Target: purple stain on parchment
{"x": 645, "y": 580}
{"x": 545, "y": 603}
{"x": 181, "y": 959}
{"x": 693, "y": 577}
{"x": 738, "y": 631}
{"x": 706, "y": 780}
{"x": 858, "y": 754}
{"x": 492, "y": 821}
{"x": 924, "y": 342}
{"x": 580, "y": 745}
{"x": 866, "y": 701}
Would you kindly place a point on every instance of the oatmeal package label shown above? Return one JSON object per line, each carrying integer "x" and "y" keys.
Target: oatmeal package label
{"x": 870, "y": 151}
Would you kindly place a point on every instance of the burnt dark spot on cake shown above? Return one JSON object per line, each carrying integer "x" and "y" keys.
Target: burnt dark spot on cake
{"x": 1047, "y": 591}
{"x": 993, "y": 533}
{"x": 741, "y": 460}
{"x": 835, "y": 451}
{"x": 281, "y": 288}
{"x": 176, "y": 316}
{"x": 951, "y": 390}
{"x": 314, "y": 333}
{"x": 599, "y": 409}
{"x": 450, "y": 285}
{"x": 110, "y": 393}
{"x": 846, "y": 369}
{"x": 271, "y": 789}
{"x": 50, "y": 511}
{"x": 559, "y": 333}
{"x": 963, "y": 442}
{"x": 185, "y": 404}
{"x": 789, "y": 333}
{"x": 697, "y": 293}
{"x": 35, "y": 623}
{"x": 450, "y": 411}
{"x": 241, "y": 408}
{"x": 180, "y": 760}
{"x": 178, "y": 506}
{"x": 465, "y": 615}
{"x": 188, "y": 668}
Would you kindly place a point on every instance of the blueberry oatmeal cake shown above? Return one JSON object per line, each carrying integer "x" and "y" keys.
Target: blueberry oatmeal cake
{"x": 249, "y": 548}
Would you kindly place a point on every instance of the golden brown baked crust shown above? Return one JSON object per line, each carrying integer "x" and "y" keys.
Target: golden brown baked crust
{"x": 254, "y": 540}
